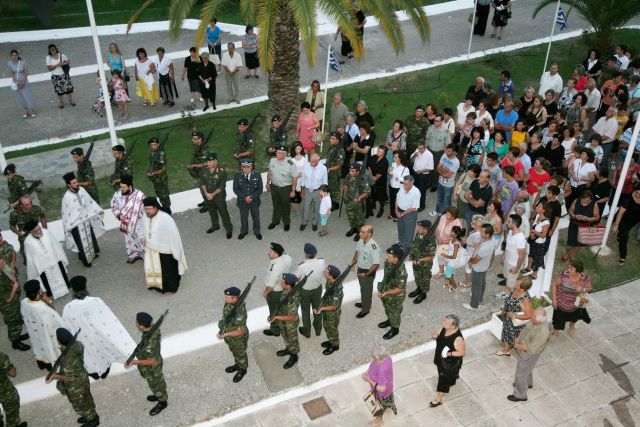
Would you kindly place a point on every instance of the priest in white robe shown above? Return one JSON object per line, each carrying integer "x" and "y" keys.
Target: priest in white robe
{"x": 46, "y": 260}
{"x": 126, "y": 205}
{"x": 164, "y": 260}
{"x": 81, "y": 221}
{"x": 105, "y": 339}
{"x": 41, "y": 322}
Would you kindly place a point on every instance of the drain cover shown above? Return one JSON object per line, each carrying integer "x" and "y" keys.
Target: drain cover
{"x": 316, "y": 408}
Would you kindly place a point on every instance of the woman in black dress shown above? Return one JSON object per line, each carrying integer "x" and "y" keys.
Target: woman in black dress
{"x": 378, "y": 166}
{"x": 501, "y": 17}
{"x": 582, "y": 212}
{"x": 449, "y": 346}
{"x": 207, "y": 75}
{"x": 363, "y": 115}
{"x": 554, "y": 153}
{"x": 627, "y": 218}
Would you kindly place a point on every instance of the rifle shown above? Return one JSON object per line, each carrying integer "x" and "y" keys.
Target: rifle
{"x": 363, "y": 172}
{"x": 145, "y": 338}
{"x": 118, "y": 171}
{"x": 283, "y": 125}
{"x": 341, "y": 278}
{"x": 156, "y": 154}
{"x": 64, "y": 352}
{"x": 222, "y": 325}
{"x": 28, "y": 190}
{"x": 89, "y": 150}
{"x": 253, "y": 123}
{"x": 295, "y": 289}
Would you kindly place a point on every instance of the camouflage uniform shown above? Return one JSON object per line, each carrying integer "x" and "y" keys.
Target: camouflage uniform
{"x": 122, "y": 167}
{"x": 17, "y": 188}
{"x": 422, "y": 271}
{"x": 200, "y": 153}
{"x": 290, "y": 329}
{"x": 6, "y": 252}
{"x": 335, "y": 158}
{"x": 9, "y": 397}
{"x": 86, "y": 173}
{"x": 331, "y": 319}
{"x": 78, "y": 392}
{"x": 244, "y": 142}
{"x": 416, "y": 130}
{"x": 10, "y": 311}
{"x": 237, "y": 345}
{"x": 356, "y": 185}
{"x": 158, "y": 161}
{"x": 18, "y": 219}
{"x": 393, "y": 303}
{"x": 153, "y": 373}
{"x": 277, "y": 138}
{"x": 213, "y": 180}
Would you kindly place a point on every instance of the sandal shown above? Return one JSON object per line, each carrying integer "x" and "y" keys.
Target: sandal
{"x": 464, "y": 285}
{"x": 621, "y": 262}
{"x": 25, "y": 115}
{"x": 502, "y": 353}
{"x": 433, "y": 404}
{"x": 499, "y": 37}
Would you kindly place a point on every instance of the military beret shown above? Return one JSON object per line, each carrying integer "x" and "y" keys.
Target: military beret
{"x": 153, "y": 140}
{"x": 151, "y": 201}
{"x": 335, "y": 134}
{"x": 425, "y": 223}
{"x": 212, "y": 156}
{"x": 309, "y": 249}
{"x": 333, "y": 271}
{"x": 276, "y": 118}
{"x": 243, "y": 121}
{"x": 10, "y": 168}
{"x": 198, "y": 134}
{"x": 246, "y": 162}
{"x": 277, "y": 248}
{"x": 64, "y": 336}
{"x": 421, "y": 107}
{"x": 395, "y": 250}
{"x": 68, "y": 177}
{"x": 232, "y": 291}
{"x": 78, "y": 283}
{"x": 78, "y": 151}
{"x": 289, "y": 278}
{"x": 30, "y": 225}
{"x": 281, "y": 148}
{"x": 355, "y": 165}
{"x": 144, "y": 319}
{"x": 126, "y": 179}
{"x": 31, "y": 288}
{"x": 118, "y": 147}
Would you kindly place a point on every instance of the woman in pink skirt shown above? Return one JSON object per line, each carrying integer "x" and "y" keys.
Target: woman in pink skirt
{"x": 307, "y": 124}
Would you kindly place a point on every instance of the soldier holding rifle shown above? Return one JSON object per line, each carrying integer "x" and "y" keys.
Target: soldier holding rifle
{"x": 157, "y": 173}
{"x": 123, "y": 165}
{"x": 198, "y": 161}
{"x": 86, "y": 175}
{"x": 234, "y": 331}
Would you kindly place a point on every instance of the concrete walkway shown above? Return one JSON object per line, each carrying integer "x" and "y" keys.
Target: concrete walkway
{"x": 587, "y": 379}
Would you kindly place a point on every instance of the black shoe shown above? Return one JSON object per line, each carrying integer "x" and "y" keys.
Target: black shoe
{"x": 514, "y": 384}
{"x": 23, "y": 337}
{"x": 22, "y": 424}
{"x": 230, "y": 369}
{"x": 206, "y": 107}
{"x": 152, "y": 398}
{"x": 272, "y": 226}
{"x": 302, "y": 227}
{"x": 282, "y": 353}
{"x": 335, "y": 206}
{"x": 229, "y": 235}
{"x": 384, "y": 324}
{"x": 359, "y": 305}
{"x": 380, "y": 213}
{"x": 502, "y": 282}
{"x": 43, "y": 365}
{"x": 433, "y": 190}
{"x": 351, "y": 232}
{"x": 204, "y": 209}
{"x": 270, "y": 333}
{"x": 20, "y": 346}
{"x": 503, "y": 246}
{"x": 325, "y": 344}
{"x": 414, "y": 294}
{"x": 87, "y": 264}
{"x": 361, "y": 314}
{"x": 420, "y": 298}
{"x": 259, "y": 236}
{"x": 212, "y": 229}
{"x": 303, "y": 334}
{"x": 286, "y": 227}
{"x": 241, "y": 236}
{"x": 512, "y": 398}
{"x": 356, "y": 237}
{"x": 158, "y": 408}
{"x": 95, "y": 376}
{"x": 293, "y": 359}
{"x": 239, "y": 375}
{"x": 314, "y": 228}
{"x": 105, "y": 374}
{"x": 391, "y": 333}
{"x": 82, "y": 420}
{"x": 201, "y": 204}
{"x": 501, "y": 276}
{"x": 92, "y": 423}
{"x": 330, "y": 350}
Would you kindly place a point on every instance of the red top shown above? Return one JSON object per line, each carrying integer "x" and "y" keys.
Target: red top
{"x": 538, "y": 178}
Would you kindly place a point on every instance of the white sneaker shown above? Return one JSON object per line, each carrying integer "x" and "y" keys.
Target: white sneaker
{"x": 468, "y": 307}
{"x": 433, "y": 213}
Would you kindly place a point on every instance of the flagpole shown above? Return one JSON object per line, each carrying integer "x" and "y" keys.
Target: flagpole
{"x": 473, "y": 20}
{"x": 553, "y": 27}
{"x": 324, "y": 110}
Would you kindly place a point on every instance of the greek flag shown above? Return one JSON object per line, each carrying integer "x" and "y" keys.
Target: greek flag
{"x": 333, "y": 60}
{"x": 561, "y": 19}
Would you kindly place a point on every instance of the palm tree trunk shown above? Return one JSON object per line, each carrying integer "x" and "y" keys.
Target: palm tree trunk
{"x": 283, "y": 81}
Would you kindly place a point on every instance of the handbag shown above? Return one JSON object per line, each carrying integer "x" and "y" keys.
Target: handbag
{"x": 372, "y": 401}
{"x": 65, "y": 67}
{"x": 591, "y": 235}
{"x": 125, "y": 74}
{"x": 518, "y": 322}
{"x": 451, "y": 366}
{"x": 582, "y": 300}
{"x": 317, "y": 137}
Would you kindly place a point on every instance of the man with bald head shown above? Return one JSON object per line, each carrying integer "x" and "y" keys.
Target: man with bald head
{"x": 25, "y": 212}
{"x": 314, "y": 175}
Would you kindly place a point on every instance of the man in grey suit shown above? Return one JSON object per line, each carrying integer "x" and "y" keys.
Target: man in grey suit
{"x": 247, "y": 184}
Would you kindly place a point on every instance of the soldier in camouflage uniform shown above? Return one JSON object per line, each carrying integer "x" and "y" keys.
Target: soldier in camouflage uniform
{"x": 421, "y": 255}
{"x": 149, "y": 362}
{"x": 356, "y": 189}
{"x": 9, "y": 397}
{"x": 277, "y": 136}
{"x": 235, "y": 333}
{"x": 213, "y": 182}
{"x": 86, "y": 175}
{"x": 25, "y": 213}
{"x": 7, "y": 254}
{"x": 334, "y": 162}
{"x": 158, "y": 174}
{"x": 287, "y": 316}
{"x": 122, "y": 166}
{"x": 73, "y": 379}
{"x": 244, "y": 143}
{"x": 16, "y": 183}
{"x": 331, "y": 308}
{"x": 10, "y": 291}
{"x": 391, "y": 291}
{"x": 198, "y": 161}
{"x": 416, "y": 129}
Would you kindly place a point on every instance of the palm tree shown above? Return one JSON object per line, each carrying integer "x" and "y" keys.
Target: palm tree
{"x": 605, "y": 16}
{"x": 283, "y": 23}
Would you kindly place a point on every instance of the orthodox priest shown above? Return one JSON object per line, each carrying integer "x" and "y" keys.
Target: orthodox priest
{"x": 164, "y": 260}
{"x": 126, "y": 205}
{"x": 41, "y": 321}
{"x": 46, "y": 260}
{"x": 81, "y": 221}
{"x": 105, "y": 339}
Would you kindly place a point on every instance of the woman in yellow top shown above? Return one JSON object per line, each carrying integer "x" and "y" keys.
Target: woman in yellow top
{"x": 519, "y": 134}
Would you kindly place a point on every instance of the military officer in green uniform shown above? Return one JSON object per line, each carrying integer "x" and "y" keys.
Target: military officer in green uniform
{"x": 25, "y": 213}
{"x": 282, "y": 178}
{"x": 331, "y": 308}
{"x": 213, "y": 182}
{"x": 10, "y": 307}
{"x": 149, "y": 362}
{"x": 391, "y": 290}
{"x": 277, "y": 136}
{"x": 235, "y": 333}
{"x": 198, "y": 161}
{"x": 16, "y": 183}
{"x": 9, "y": 397}
{"x": 287, "y": 316}
{"x": 416, "y": 128}
{"x": 422, "y": 254}
{"x": 7, "y": 253}
{"x": 122, "y": 166}
{"x": 334, "y": 162}
{"x": 86, "y": 175}
{"x": 244, "y": 143}
{"x": 356, "y": 188}
{"x": 73, "y": 379}
{"x": 158, "y": 174}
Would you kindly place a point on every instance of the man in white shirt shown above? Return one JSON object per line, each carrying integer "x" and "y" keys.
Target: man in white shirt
{"x": 407, "y": 204}
{"x": 607, "y": 127}
{"x": 524, "y": 157}
{"x": 314, "y": 175}
{"x": 311, "y": 292}
{"x": 166, "y": 78}
{"x": 351, "y": 128}
{"x": 593, "y": 96}
{"x": 551, "y": 80}
{"x": 422, "y": 160}
{"x": 231, "y": 62}
{"x": 280, "y": 264}
{"x": 513, "y": 256}
{"x": 622, "y": 61}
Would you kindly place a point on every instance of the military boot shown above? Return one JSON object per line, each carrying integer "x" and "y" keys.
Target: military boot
{"x": 293, "y": 359}
{"x": 239, "y": 375}
{"x": 158, "y": 408}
